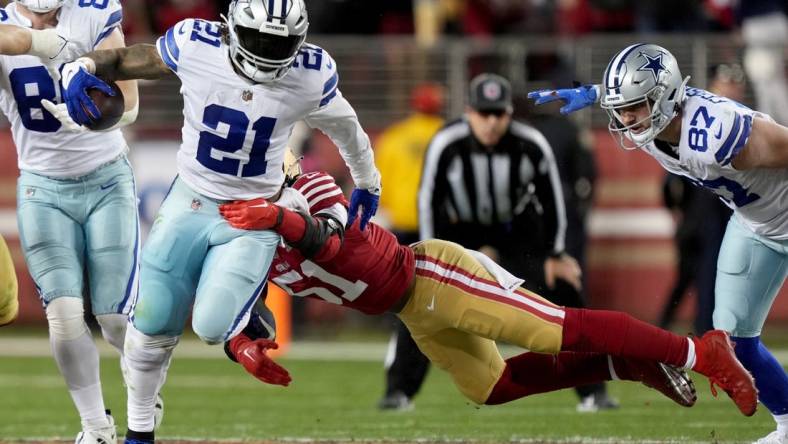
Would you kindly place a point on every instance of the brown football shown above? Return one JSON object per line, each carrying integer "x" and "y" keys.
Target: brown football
{"x": 111, "y": 107}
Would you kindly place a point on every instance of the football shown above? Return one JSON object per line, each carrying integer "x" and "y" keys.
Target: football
{"x": 111, "y": 107}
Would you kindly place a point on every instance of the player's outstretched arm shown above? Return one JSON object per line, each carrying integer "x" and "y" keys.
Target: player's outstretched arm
{"x": 767, "y": 147}
{"x": 316, "y": 237}
{"x": 128, "y": 87}
{"x": 140, "y": 61}
{"x": 575, "y": 98}
{"x": 45, "y": 44}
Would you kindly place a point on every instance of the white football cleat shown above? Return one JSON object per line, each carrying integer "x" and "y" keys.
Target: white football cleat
{"x": 158, "y": 412}
{"x": 776, "y": 437}
{"x": 102, "y": 435}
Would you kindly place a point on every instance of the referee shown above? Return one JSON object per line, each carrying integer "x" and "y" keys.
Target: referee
{"x": 490, "y": 184}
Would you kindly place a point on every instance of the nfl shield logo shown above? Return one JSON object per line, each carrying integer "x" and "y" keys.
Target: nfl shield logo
{"x": 196, "y": 204}
{"x": 246, "y": 96}
{"x": 491, "y": 91}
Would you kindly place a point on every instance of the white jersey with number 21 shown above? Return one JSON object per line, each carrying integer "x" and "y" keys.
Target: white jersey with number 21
{"x": 235, "y": 132}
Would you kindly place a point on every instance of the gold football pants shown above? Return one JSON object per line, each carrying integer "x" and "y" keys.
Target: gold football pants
{"x": 457, "y": 310}
{"x": 9, "y": 305}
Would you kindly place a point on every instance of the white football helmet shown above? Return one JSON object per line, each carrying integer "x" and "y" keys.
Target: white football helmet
{"x": 41, "y": 6}
{"x": 642, "y": 73}
{"x": 265, "y": 36}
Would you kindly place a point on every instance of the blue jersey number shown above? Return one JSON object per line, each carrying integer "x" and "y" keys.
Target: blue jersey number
{"x": 206, "y": 32}
{"x": 698, "y": 136}
{"x": 238, "y": 124}
{"x": 309, "y": 58}
{"x": 30, "y": 86}
{"x": 98, "y": 4}
{"x": 737, "y": 194}
{"x": 3, "y": 15}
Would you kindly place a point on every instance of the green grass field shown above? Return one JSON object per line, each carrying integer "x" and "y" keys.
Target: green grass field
{"x": 212, "y": 399}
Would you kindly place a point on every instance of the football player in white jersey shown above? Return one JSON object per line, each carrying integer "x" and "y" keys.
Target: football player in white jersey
{"x": 45, "y": 44}
{"x": 245, "y": 83}
{"x": 737, "y": 153}
{"x": 76, "y": 203}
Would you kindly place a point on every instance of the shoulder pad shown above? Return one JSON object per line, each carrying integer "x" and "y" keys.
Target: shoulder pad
{"x": 314, "y": 58}
{"x": 104, "y": 16}
{"x": 184, "y": 34}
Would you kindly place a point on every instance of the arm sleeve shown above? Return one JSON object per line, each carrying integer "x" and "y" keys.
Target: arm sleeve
{"x": 316, "y": 237}
{"x": 385, "y": 160}
{"x": 338, "y": 120}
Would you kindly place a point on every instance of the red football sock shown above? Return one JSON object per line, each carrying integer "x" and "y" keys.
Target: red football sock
{"x": 531, "y": 373}
{"x": 619, "y": 334}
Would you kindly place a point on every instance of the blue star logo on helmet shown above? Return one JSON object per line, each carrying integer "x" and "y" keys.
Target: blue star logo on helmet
{"x": 653, "y": 64}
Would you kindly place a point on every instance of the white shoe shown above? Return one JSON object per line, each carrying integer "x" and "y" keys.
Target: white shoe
{"x": 158, "y": 412}
{"x": 776, "y": 437}
{"x": 103, "y": 435}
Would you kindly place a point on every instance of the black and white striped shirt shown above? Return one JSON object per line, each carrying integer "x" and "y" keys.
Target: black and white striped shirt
{"x": 465, "y": 186}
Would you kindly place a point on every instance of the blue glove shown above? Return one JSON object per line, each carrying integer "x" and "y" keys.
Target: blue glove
{"x": 79, "y": 104}
{"x": 575, "y": 98}
{"x": 368, "y": 201}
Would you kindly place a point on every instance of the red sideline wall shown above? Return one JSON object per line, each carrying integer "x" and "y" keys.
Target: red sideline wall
{"x": 635, "y": 275}
{"x": 631, "y": 274}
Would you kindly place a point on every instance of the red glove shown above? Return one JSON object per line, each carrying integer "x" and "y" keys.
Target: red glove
{"x": 255, "y": 214}
{"x": 251, "y": 354}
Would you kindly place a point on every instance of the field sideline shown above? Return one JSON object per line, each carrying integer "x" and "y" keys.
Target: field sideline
{"x": 332, "y": 399}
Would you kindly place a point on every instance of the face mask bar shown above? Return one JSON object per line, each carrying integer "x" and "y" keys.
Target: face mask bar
{"x": 268, "y": 48}
{"x": 259, "y": 69}
{"x": 627, "y": 138}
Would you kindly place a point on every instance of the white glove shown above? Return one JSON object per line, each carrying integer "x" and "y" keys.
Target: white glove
{"x": 46, "y": 44}
{"x": 61, "y": 113}
{"x": 70, "y": 69}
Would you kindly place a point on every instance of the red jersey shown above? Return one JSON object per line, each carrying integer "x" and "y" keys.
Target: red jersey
{"x": 369, "y": 272}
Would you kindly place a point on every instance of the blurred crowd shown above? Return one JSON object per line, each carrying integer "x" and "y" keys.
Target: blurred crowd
{"x": 466, "y": 17}
{"x": 147, "y": 18}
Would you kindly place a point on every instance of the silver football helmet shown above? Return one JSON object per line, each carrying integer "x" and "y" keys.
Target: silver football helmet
{"x": 41, "y": 6}
{"x": 642, "y": 73}
{"x": 265, "y": 36}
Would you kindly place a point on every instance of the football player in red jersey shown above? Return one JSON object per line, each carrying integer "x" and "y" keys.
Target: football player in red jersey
{"x": 457, "y": 303}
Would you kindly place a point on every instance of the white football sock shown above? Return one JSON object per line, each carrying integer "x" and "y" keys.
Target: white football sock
{"x": 113, "y": 328}
{"x": 147, "y": 359}
{"x": 691, "y": 356}
{"x": 782, "y": 423}
{"x": 77, "y": 358}
{"x": 78, "y": 362}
